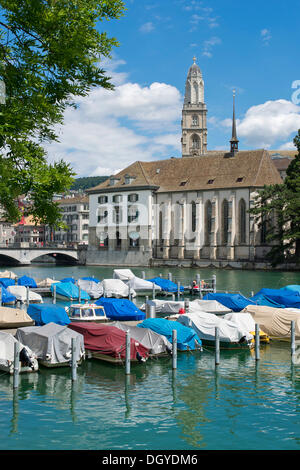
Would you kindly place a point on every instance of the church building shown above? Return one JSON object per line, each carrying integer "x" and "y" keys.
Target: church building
{"x": 187, "y": 211}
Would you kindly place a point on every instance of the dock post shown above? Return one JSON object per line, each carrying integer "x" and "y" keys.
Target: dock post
{"x": 173, "y": 297}
{"x": 129, "y": 294}
{"x": 152, "y": 311}
{"x": 170, "y": 276}
{"x": 178, "y": 290}
{"x": 186, "y": 305}
{"x": 293, "y": 341}
{"x": 174, "y": 349}
{"x": 127, "y": 356}
{"x": 73, "y": 360}
{"x": 0, "y": 296}
{"x": 79, "y": 294}
{"x": 198, "y": 279}
{"x": 16, "y": 364}
{"x": 257, "y": 352}
{"x": 27, "y": 296}
{"x": 153, "y": 291}
{"x": 147, "y": 298}
{"x": 214, "y": 283}
{"x": 217, "y": 346}
{"x": 54, "y": 295}
{"x": 143, "y": 275}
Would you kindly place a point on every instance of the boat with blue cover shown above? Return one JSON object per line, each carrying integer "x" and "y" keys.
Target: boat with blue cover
{"x": 43, "y": 314}
{"x": 6, "y": 281}
{"x": 120, "y": 309}
{"x": 287, "y": 298}
{"x": 68, "y": 291}
{"x": 166, "y": 285}
{"x": 7, "y": 297}
{"x": 187, "y": 339}
{"x": 235, "y": 302}
{"x": 26, "y": 281}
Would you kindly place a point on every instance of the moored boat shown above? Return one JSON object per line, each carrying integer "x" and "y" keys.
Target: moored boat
{"x": 27, "y": 359}
{"x": 14, "y": 318}
{"x": 88, "y": 312}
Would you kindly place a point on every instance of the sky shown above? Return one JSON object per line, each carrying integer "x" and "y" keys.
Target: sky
{"x": 252, "y": 47}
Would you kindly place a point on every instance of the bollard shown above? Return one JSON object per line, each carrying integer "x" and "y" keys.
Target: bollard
{"x": 147, "y": 298}
{"x": 73, "y": 360}
{"x": 198, "y": 279}
{"x": 129, "y": 294}
{"x": 147, "y": 308}
{"x": 0, "y": 296}
{"x": 153, "y": 290}
{"x": 143, "y": 275}
{"x": 54, "y": 295}
{"x": 170, "y": 276}
{"x": 186, "y": 305}
{"x": 257, "y": 342}
{"x": 214, "y": 283}
{"x": 27, "y": 295}
{"x": 173, "y": 297}
{"x": 79, "y": 294}
{"x": 127, "y": 357}
{"x": 217, "y": 346}
{"x": 152, "y": 311}
{"x": 160, "y": 275}
{"x": 293, "y": 341}
{"x": 174, "y": 349}
{"x": 178, "y": 290}
{"x": 16, "y": 364}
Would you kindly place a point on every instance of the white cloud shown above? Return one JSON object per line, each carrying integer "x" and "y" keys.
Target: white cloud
{"x": 266, "y": 124}
{"x": 147, "y": 27}
{"x": 266, "y": 36}
{"x": 209, "y": 44}
{"x": 112, "y": 129}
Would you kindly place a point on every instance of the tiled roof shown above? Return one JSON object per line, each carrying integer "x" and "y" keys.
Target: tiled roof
{"x": 217, "y": 170}
{"x": 73, "y": 200}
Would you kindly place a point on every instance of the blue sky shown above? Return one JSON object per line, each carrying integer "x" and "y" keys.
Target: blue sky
{"x": 250, "y": 46}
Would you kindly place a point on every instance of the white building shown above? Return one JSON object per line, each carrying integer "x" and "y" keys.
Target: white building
{"x": 183, "y": 210}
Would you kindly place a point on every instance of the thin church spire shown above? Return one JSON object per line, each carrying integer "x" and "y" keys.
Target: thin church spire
{"x": 234, "y": 142}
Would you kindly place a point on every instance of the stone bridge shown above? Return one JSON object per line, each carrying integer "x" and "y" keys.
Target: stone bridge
{"x": 25, "y": 256}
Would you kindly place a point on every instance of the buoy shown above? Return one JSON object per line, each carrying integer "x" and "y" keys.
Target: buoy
{"x": 181, "y": 311}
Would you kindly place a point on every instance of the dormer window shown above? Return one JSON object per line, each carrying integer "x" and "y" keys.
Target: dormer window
{"x": 128, "y": 179}
{"x": 183, "y": 183}
{"x": 210, "y": 181}
{"x": 240, "y": 179}
{"x": 113, "y": 180}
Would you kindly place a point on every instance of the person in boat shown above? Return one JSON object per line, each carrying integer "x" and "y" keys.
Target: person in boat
{"x": 195, "y": 288}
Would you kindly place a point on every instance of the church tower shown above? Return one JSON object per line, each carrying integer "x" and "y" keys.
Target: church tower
{"x": 193, "y": 124}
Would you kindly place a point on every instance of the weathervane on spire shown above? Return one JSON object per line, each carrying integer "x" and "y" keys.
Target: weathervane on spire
{"x": 234, "y": 143}
{"x": 194, "y": 59}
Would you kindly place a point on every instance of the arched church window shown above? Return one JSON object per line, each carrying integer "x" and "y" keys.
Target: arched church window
{"x": 242, "y": 221}
{"x": 225, "y": 222}
{"x": 194, "y": 216}
{"x": 195, "y": 141}
{"x": 195, "y": 120}
{"x": 208, "y": 222}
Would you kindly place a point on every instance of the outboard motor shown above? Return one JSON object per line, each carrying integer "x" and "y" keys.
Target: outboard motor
{"x": 139, "y": 357}
{"x": 25, "y": 359}
{"x": 243, "y": 339}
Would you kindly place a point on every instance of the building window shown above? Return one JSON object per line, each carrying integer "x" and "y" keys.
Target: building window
{"x": 102, "y": 199}
{"x": 208, "y": 222}
{"x": 194, "y": 207}
{"x": 102, "y": 217}
{"x": 117, "y": 198}
{"x": 133, "y": 214}
{"x": 117, "y": 215}
{"x": 195, "y": 141}
{"x": 225, "y": 221}
{"x": 242, "y": 221}
{"x": 195, "y": 120}
{"x": 133, "y": 197}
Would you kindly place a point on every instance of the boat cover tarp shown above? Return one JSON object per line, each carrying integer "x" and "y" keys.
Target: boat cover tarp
{"x": 7, "y": 296}
{"x": 156, "y": 343}
{"x": 89, "y": 278}
{"x": 48, "y": 313}
{"x": 186, "y": 337}
{"x": 14, "y": 317}
{"x": 166, "y": 285}
{"x": 139, "y": 284}
{"x": 108, "y": 340}
{"x": 26, "y": 281}
{"x": 291, "y": 287}
{"x": 52, "y": 342}
{"x": 123, "y": 274}
{"x": 68, "y": 279}
{"x": 120, "y": 309}
{"x": 173, "y": 306}
{"x": 116, "y": 288}
{"x": 7, "y": 351}
{"x": 8, "y": 274}
{"x": 275, "y": 322}
{"x": 205, "y": 323}
{"x": 287, "y": 298}
{"x": 261, "y": 299}
{"x": 235, "y": 302}
{"x": 244, "y": 321}
{"x": 20, "y": 292}
{"x": 93, "y": 289}
{"x": 6, "y": 281}
{"x": 46, "y": 282}
{"x": 69, "y": 290}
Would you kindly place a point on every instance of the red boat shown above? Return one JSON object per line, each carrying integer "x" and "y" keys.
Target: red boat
{"x": 108, "y": 343}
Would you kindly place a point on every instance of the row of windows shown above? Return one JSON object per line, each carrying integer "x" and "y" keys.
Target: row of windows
{"x": 117, "y": 215}
{"x": 117, "y": 198}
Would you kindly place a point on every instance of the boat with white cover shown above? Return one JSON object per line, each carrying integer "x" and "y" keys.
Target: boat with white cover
{"x": 27, "y": 359}
{"x": 94, "y": 289}
{"x": 20, "y": 292}
{"x": 116, "y": 288}
{"x": 172, "y": 307}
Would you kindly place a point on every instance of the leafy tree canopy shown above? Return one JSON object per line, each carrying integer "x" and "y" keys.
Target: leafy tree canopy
{"x": 278, "y": 207}
{"x": 50, "y": 53}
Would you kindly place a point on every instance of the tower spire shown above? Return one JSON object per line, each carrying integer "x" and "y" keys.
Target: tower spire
{"x": 234, "y": 142}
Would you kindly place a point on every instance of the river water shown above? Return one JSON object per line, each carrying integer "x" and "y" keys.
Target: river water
{"x": 243, "y": 404}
